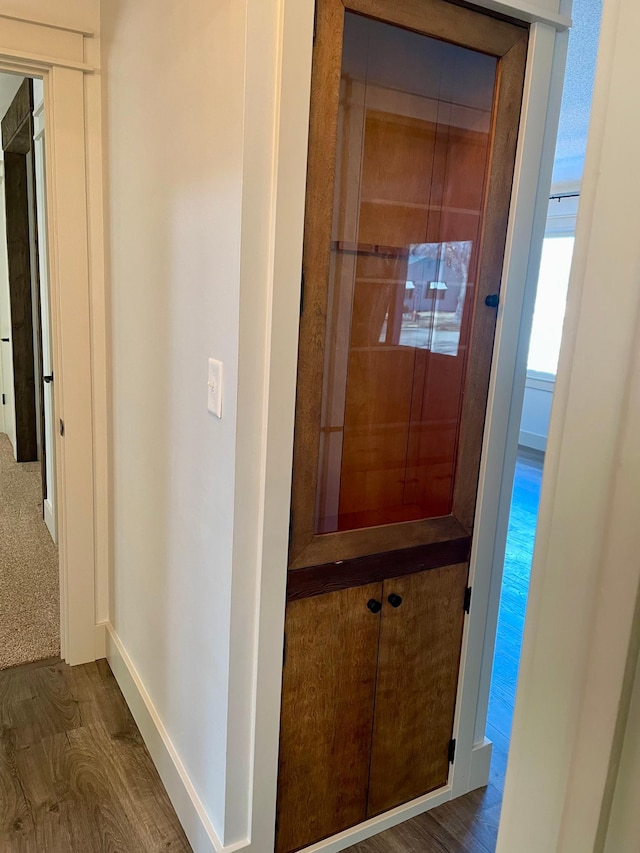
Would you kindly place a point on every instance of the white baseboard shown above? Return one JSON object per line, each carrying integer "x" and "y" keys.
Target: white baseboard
{"x": 101, "y": 640}
{"x": 378, "y": 824}
{"x": 189, "y": 808}
{"x": 532, "y": 440}
{"x": 49, "y": 520}
{"x": 480, "y": 764}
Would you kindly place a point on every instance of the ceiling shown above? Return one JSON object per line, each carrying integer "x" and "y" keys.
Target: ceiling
{"x": 576, "y": 97}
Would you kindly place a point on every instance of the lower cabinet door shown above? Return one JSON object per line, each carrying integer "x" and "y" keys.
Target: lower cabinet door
{"x": 418, "y": 663}
{"x": 329, "y": 679}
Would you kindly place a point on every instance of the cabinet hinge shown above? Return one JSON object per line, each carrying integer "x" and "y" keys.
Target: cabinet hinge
{"x": 452, "y": 750}
{"x": 467, "y": 599}
{"x": 4, "y": 400}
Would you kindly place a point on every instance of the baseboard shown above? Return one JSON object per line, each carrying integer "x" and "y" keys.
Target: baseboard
{"x": 480, "y": 764}
{"x": 189, "y": 808}
{"x": 100, "y": 640}
{"x": 49, "y": 520}
{"x": 533, "y": 440}
{"x": 378, "y": 824}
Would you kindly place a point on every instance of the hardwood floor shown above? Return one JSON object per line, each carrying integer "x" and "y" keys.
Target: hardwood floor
{"x": 75, "y": 775}
{"x": 469, "y": 824}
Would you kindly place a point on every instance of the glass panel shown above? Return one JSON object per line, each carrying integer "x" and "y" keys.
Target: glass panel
{"x": 551, "y": 300}
{"x": 412, "y": 152}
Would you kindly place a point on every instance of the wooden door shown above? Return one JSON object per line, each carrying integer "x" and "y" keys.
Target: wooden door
{"x": 418, "y": 662}
{"x": 24, "y": 291}
{"x": 329, "y": 674}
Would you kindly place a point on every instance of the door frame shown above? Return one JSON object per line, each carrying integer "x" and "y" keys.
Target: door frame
{"x": 60, "y": 61}
{"x": 283, "y": 203}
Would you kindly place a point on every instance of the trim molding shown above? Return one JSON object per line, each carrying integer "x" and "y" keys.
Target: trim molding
{"x": 41, "y": 23}
{"x": 532, "y": 440}
{"x": 39, "y": 60}
{"x": 378, "y": 824}
{"x": 182, "y": 793}
{"x": 480, "y": 764}
{"x": 50, "y": 522}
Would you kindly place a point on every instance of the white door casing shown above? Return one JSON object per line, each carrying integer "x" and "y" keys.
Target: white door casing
{"x": 45, "y": 310}
{"x": 57, "y": 54}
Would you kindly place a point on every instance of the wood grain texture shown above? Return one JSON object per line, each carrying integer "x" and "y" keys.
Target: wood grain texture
{"x": 323, "y": 117}
{"x": 75, "y": 774}
{"x": 469, "y": 824}
{"x": 507, "y": 105}
{"x": 378, "y": 567}
{"x": 418, "y": 663}
{"x": 327, "y": 715}
{"x": 466, "y": 27}
{"x": 383, "y": 527}
{"x": 20, "y": 295}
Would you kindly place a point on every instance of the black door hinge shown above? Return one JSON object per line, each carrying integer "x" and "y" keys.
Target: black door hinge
{"x": 467, "y": 599}
{"x": 452, "y": 750}
{"x": 61, "y": 427}
{"x": 4, "y": 400}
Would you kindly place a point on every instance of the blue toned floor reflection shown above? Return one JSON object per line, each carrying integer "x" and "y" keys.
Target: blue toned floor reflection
{"x": 513, "y": 602}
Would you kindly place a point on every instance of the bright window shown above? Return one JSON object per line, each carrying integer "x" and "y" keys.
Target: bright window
{"x": 551, "y": 299}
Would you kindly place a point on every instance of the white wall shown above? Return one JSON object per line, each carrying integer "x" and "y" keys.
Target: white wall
{"x": 582, "y": 608}
{"x": 536, "y": 410}
{"x": 173, "y": 117}
{"x": 623, "y": 831}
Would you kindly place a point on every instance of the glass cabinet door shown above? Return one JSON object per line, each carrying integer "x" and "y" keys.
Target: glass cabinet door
{"x": 411, "y": 157}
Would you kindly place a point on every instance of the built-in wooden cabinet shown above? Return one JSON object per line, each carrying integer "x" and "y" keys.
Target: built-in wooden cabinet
{"x": 414, "y": 115}
{"x": 370, "y": 679}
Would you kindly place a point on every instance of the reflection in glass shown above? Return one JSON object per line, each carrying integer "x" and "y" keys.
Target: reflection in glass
{"x": 412, "y": 150}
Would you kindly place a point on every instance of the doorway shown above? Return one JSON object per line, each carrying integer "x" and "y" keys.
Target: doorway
{"x": 29, "y": 580}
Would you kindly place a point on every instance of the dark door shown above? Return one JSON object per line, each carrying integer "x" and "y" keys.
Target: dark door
{"x": 24, "y": 289}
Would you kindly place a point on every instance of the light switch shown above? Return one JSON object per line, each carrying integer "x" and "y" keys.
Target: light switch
{"x": 214, "y": 403}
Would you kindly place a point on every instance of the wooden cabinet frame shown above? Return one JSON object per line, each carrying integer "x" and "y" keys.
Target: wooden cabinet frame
{"x": 467, "y": 28}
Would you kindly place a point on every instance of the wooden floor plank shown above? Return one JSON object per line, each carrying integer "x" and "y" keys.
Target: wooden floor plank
{"x": 75, "y": 774}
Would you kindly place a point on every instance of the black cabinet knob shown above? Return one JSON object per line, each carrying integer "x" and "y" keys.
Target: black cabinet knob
{"x": 374, "y": 606}
{"x": 395, "y": 600}
{"x": 492, "y": 300}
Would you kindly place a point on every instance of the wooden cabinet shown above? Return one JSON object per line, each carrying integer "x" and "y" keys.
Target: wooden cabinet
{"x": 370, "y": 680}
{"x": 413, "y": 126}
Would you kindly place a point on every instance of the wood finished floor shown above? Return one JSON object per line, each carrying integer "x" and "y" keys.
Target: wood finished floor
{"x": 469, "y": 824}
{"x": 75, "y": 775}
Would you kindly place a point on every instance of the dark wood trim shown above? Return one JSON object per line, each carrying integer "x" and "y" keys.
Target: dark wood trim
{"x": 323, "y": 122}
{"x": 317, "y": 580}
{"x": 508, "y": 100}
{"x": 450, "y": 22}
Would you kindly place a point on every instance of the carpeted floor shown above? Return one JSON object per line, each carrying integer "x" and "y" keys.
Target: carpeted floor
{"x": 29, "y": 591}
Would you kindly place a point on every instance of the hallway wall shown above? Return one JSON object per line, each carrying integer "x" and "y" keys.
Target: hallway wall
{"x": 173, "y": 117}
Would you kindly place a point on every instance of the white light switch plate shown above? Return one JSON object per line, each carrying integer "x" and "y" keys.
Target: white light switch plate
{"x": 214, "y": 403}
